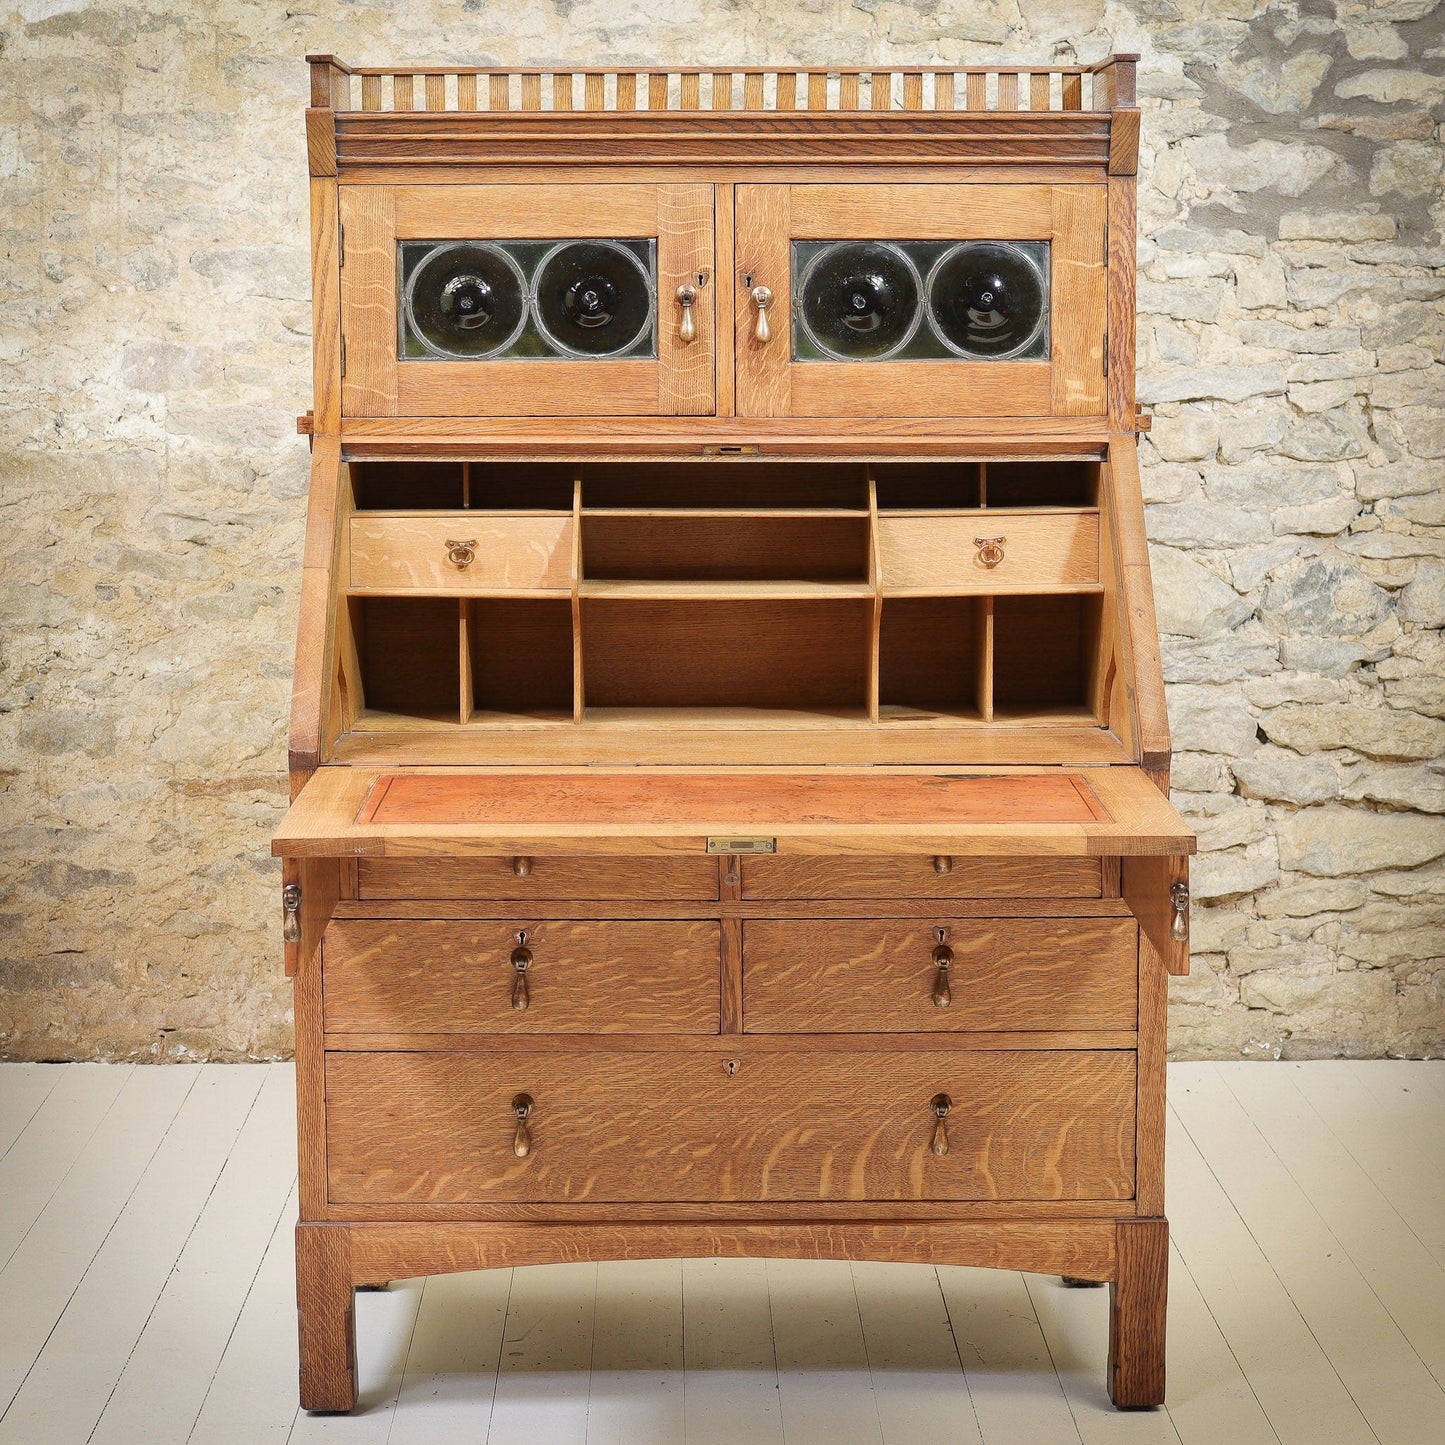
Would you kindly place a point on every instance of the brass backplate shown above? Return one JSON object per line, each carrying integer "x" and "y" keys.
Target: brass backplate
{"x": 742, "y": 845}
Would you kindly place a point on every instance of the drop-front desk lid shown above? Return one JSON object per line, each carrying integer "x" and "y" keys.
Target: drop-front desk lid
{"x": 407, "y": 812}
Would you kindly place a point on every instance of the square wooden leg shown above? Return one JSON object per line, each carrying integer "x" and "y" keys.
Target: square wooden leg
{"x": 1137, "y": 1303}
{"x": 326, "y": 1317}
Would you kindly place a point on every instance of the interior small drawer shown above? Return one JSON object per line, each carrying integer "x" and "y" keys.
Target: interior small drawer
{"x": 900, "y": 976}
{"x": 519, "y": 976}
{"x": 460, "y": 552}
{"x": 921, "y": 877}
{"x": 989, "y": 552}
{"x": 613, "y": 1126}
{"x": 689, "y": 879}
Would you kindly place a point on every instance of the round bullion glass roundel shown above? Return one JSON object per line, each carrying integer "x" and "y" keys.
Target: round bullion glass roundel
{"x": 467, "y": 299}
{"x": 860, "y": 300}
{"x": 986, "y": 299}
{"x": 594, "y": 298}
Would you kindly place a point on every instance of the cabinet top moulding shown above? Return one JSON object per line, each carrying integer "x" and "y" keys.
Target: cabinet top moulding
{"x": 402, "y": 117}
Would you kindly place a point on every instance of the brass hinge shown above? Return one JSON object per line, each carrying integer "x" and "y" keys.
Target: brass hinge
{"x": 340, "y": 245}
{"x": 343, "y": 356}
{"x": 1106, "y": 352}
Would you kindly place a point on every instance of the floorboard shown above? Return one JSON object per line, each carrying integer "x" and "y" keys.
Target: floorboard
{"x": 147, "y": 1294}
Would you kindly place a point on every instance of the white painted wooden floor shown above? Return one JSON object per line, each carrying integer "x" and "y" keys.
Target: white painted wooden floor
{"x": 146, "y": 1294}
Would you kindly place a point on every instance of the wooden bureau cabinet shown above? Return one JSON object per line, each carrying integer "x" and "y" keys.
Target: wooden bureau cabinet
{"x": 728, "y": 747}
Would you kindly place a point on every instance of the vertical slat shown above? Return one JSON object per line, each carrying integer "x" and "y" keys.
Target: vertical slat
{"x": 499, "y": 92}
{"x": 1073, "y": 96}
{"x": 562, "y": 90}
{"x": 943, "y": 90}
{"x": 401, "y": 92}
{"x": 627, "y": 91}
{"x": 466, "y": 92}
{"x": 882, "y": 89}
{"x": 595, "y": 90}
{"x": 690, "y": 90}
{"x": 818, "y": 90}
{"x": 1039, "y": 90}
{"x": 436, "y": 92}
{"x": 753, "y": 90}
{"x": 985, "y": 658}
{"x": 848, "y": 90}
{"x": 531, "y": 92}
{"x": 912, "y": 90}
{"x": 722, "y": 90}
{"x": 787, "y": 90}
{"x": 579, "y": 700}
{"x": 371, "y": 92}
{"x": 464, "y": 636}
{"x": 976, "y": 91}
{"x": 1008, "y": 90}
{"x": 657, "y": 90}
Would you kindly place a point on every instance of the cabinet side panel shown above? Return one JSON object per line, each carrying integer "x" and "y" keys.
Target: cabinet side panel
{"x": 368, "y": 301}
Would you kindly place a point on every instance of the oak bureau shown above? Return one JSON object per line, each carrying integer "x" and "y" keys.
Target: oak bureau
{"x": 728, "y": 750}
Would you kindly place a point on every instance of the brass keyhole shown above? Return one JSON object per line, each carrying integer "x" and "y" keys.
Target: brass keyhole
{"x": 730, "y": 1067}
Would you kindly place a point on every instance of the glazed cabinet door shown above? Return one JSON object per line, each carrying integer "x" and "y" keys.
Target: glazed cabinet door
{"x": 527, "y": 300}
{"x": 920, "y": 300}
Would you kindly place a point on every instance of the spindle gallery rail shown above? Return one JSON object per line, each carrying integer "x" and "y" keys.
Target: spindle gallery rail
{"x": 462, "y": 88}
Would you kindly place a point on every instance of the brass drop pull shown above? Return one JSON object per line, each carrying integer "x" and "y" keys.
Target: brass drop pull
{"x": 521, "y": 961}
{"x": 942, "y": 961}
{"x": 762, "y": 299}
{"x": 522, "y": 1107}
{"x": 1179, "y": 924}
{"x": 940, "y": 1104}
{"x": 686, "y": 298}
{"x": 990, "y": 550}
{"x": 291, "y": 913}
{"x": 522, "y": 867}
{"x": 461, "y": 554}
{"x": 942, "y": 863}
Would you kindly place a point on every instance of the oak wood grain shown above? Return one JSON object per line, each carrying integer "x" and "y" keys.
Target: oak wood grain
{"x": 895, "y": 878}
{"x": 326, "y": 1314}
{"x": 411, "y": 552}
{"x": 670, "y": 879}
{"x": 1041, "y": 551}
{"x": 1138, "y": 1301}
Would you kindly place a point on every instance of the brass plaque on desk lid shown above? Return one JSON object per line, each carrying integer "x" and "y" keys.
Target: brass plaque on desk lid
{"x": 742, "y": 845}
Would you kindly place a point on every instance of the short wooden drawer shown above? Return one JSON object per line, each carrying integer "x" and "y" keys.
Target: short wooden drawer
{"x": 1004, "y": 551}
{"x": 605, "y": 879}
{"x": 460, "y": 552}
{"x": 867, "y": 976}
{"x": 921, "y": 877}
{"x": 617, "y": 1126}
{"x": 605, "y": 977}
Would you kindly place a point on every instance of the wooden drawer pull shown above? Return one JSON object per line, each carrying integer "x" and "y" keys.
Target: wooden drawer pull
{"x": 521, "y": 961}
{"x": 522, "y": 1107}
{"x": 940, "y": 1105}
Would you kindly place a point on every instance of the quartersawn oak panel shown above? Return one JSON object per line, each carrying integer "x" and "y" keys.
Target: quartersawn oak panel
{"x": 822, "y": 877}
{"x": 646, "y": 879}
{"x": 615, "y": 1127}
{"x": 601, "y": 977}
{"x": 860, "y": 976}
{"x": 1042, "y": 551}
{"x": 510, "y": 552}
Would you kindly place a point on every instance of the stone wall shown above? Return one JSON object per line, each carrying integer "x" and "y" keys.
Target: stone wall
{"x": 154, "y": 351}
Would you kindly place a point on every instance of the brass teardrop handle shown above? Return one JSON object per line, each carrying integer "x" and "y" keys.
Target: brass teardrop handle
{"x": 521, "y": 961}
{"x": 461, "y": 554}
{"x": 942, "y": 961}
{"x": 762, "y": 299}
{"x": 291, "y": 913}
{"x": 686, "y": 298}
{"x": 1179, "y": 901}
{"x": 940, "y": 1104}
{"x": 522, "y": 1107}
{"x": 990, "y": 550}
{"x": 942, "y": 863}
{"x": 521, "y": 867}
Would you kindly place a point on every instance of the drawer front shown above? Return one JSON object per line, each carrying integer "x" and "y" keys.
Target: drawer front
{"x": 860, "y": 976}
{"x": 645, "y": 879}
{"x": 616, "y": 1126}
{"x": 921, "y": 877}
{"x": 998, "y": 551}
{"x": 461, "y": 552}
{"x": 607, "y": 977}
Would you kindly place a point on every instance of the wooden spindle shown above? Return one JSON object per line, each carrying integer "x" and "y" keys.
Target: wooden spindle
{"x": 1039, "y": 90}
{"x": 435, "y": 88}
{"x": 753, "y": 90}
{"x": 722, "y": 90}
{"x": 626, "y": 91}
{"x": 943, "y": 90}
{"x": 976, "y": 91}
{"x": 466, "y": 92}
{"x": 402, "y": 94}
{"x": 690, "y": 90}
{"x": 912, "y": 90}
{"x": 657, "y": 90}
{"x": 531, "y": 92}
{"x": 594, "y": 90}
{"x": 371, "y": 92}
{"x": 1073, "y": 93}
{"x": 787, "y": 90}
{"x": 818, "y": 90}
{"x": 562, "y": 90}
{"x": 882, "y": 89}
{"x": 1008, "y": 90}
{"x": 499, "y": 92}
{"x": 848, "y": 90}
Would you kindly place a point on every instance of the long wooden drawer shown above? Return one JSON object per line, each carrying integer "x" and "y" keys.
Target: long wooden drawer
{"x": 460, "y": 552}
{"x": 645, "y": 879}
{"x": 921, "y": 877}
{"x": 989, "y": 552}
{"x": 866, "y": 976}
{"x": 616, "y": 1126}
{"x": 605, "y": 977}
